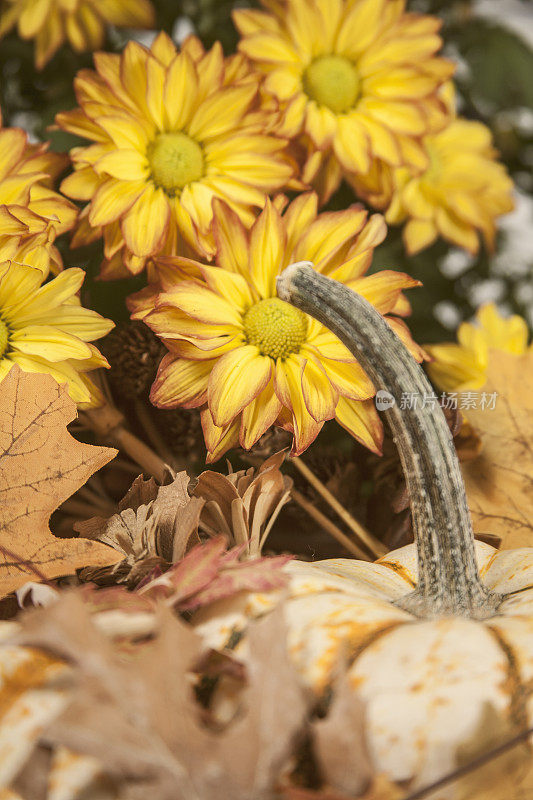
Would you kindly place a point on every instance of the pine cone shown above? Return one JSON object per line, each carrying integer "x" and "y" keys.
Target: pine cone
{"x": 134, "y": 353}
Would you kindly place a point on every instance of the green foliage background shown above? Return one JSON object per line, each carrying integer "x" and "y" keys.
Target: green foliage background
{"x": 495, "y": 86}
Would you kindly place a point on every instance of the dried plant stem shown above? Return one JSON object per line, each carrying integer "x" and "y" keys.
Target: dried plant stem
{"x": 108, "y": 423}
{"x": 328, "y": 525}
{"x": 376, "y": 548}
{"x": 153, "y": 433}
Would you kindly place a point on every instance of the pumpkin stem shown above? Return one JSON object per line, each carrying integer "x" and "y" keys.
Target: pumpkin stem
{"x": 448, "y": 577}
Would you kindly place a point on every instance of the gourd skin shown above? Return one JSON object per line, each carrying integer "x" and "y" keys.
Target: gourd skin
{"x": 426, "y": 683}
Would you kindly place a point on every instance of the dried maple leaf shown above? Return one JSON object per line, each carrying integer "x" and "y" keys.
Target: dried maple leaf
{"x": 41, "y": 465}
{"x": 209, "y": 572}
{"x": 499, "y": 482}
{"x": 136, "y": 714}
{"x": 154, "y": 527}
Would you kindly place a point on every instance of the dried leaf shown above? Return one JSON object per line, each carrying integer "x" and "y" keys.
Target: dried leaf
{"x": 154, "y": 527}
{"x": 499, "y": 482}
{"x": 503, "y": 777}
{"x": 209, "y": 573}
{"x": 244, "y": 505}
{"x": 138, "y": 717}
{"x": 339, "y": 742}
{"x": 380, "y": 789}
{"x": 41, "y": 465}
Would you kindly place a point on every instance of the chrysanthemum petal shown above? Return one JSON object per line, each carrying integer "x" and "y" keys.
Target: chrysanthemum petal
{"x": 218, "y": 440}
{"x": 127, "y": 165}
{"x": 12, "y": 145}
{"x": 48, "y": 342}
{"x": 288, "y": 388}
{"x": 62, "y": 372}
{"x": 419, "y": 234}
{"x": 145, "y": 225}
{"x": 351, "y": 144}
{"x": 113, "y": 199}
{"x": 349, "y": 379}
{"x": 382, "y": 288}
{"x": 236, "y": 379}
{"x": 180, "y": 382}
{"x": 259, "y": 416}
{"x": 359, "y": 27}
{"x": 267, "y": 250}
{"x": 180, "y": 92}
{"x": 361, "y": 420}
{"x": 231, "y": 238}
{"x": 320, "y": 396}
{"x": 204, "y": 305}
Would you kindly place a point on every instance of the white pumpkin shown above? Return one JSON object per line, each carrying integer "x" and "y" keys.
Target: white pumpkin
{"x": 432, "y": 632}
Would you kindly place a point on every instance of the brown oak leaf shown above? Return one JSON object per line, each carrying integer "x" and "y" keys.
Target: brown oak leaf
{"x": 499, "y": 482}
{"x": 41, "y": 465}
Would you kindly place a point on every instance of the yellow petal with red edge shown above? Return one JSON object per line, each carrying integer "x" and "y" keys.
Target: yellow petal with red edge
{"x": 180, "y": 382}
{"x": 87, "y": 325}
{"x": 218, "y": 440}
{"x": 351, "y": 144}
{"x": 320, "y": 397}
{"x": 236, "y": 379}
{"x": 403, "y": 332}
{"x": 419, "y": 234}
{"x": 458, "y": 232}
{"x": 77, "y": 385}
{"x": 231, "y": 238}
{"x": 228, "y": 284}
{"x": 181, "y": 88}
{"x": 48, "y": 342}
{"x": 113, "y": 199}
{"x": 382, "y": 288}
{"x": 288, "y": 388}
{"x": 269, "y": 47}
{"x": 126, "y": 165}
{"x": 145, "y": 225}
{"x": 221, "y": 111}
{"x": 299, "y": 216}
{"x": 360, "y": 27}
{"x": 202, "y": 304}
{"x": 163, "y": 48}
{"x": 127, "y": 131}
{"x": 12, "y": 144}
{"x": 401, "y": 117}
{"x": 202, "y": 350}
{"x": 349, "y": 379}
{"x": 81, "y": 184}
{"x": 267, "y": 250}
{"x": 248, "y": 21}
{"x": 259, "y": 416}
{"x": 361, "y": 420}
{"x": 325, "y": 344}
{"x": 155, "y": 82}
{"x": 330, "y": 231}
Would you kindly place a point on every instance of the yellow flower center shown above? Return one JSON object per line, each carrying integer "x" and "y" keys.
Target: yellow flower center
{"x": 275, "y": 327}
{"x": 4, "y": 336}
{"x": 333, "y": 82}
{"x": 176, "y": 160}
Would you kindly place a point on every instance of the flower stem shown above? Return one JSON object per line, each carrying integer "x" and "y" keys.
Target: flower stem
{"x": 448, "y": 578}
{"x": 327, "y": 525}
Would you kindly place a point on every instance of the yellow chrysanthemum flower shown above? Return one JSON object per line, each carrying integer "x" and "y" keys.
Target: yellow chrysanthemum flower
{"x": 43, "y": 328}
{"x": 81, "y": 22}
{"x": 462, "y": 192}
{"x": 359, "y": 76}
{"x": 170, "y": 135}
{"x": 463, "y": 366}
{"x": 29, "y": 205}
{"x": 252, "y": 360}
